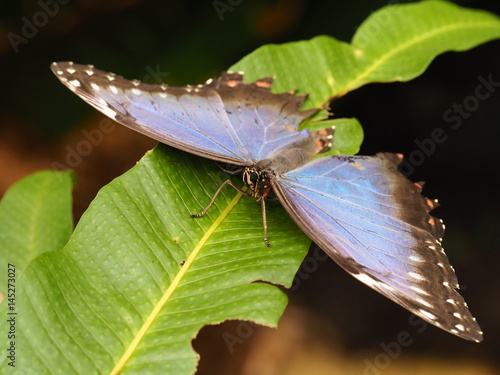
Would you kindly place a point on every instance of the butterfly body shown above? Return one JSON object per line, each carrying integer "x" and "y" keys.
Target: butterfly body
{"x": 360, "y": 210}
{"x": 259, "y": 177}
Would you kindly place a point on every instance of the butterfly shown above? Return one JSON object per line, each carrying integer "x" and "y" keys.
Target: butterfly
{"x": 367, "y": 216}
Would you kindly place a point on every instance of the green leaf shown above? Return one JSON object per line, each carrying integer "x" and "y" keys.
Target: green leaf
{"x": 395, "y": 43}
{"x": 139, "y": 278}
{"x": 35, "y": 217}
{"x": 347, "y": 138}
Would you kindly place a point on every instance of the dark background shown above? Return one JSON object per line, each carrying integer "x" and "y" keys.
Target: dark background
{"x": 334, "y": 324}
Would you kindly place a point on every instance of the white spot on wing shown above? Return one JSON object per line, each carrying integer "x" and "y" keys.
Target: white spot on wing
{"x": 416, "y": 275}
{"x": 423, "y": 302}
{"x": 75, "y": 83}
{"x": 460, "y": 327}
{"x": 113, "y": 89}
{"x": 419, "y": 290}
{"x": 136, "y": 91}
{"x": 372, "y": 282}
{"x": 108, "y": 112}
{"x": 427, "y": 314}
{"x": 415, "y": 258}
{"x": 95, "y": 86}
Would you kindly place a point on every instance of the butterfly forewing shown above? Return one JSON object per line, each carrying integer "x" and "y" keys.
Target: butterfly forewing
{"x": 224, "y": 120}
{"x": 375, "y": 224}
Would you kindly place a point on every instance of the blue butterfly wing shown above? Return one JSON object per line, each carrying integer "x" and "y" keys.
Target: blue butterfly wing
{"x": 225, "y": 119}
{"x": 375, "y": 223}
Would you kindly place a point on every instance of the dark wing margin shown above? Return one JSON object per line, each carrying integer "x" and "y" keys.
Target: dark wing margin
{"x": 374, "y": 223}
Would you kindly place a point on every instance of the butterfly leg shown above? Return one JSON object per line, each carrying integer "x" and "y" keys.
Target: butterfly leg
{"x": 264, "y": 221}
{"x": 230, "y": 169}
{"x": 227, "y": 182}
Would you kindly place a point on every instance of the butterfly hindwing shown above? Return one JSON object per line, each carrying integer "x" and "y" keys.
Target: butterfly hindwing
{"x": 375, "y": 223}
{"x": 224, "y": 119}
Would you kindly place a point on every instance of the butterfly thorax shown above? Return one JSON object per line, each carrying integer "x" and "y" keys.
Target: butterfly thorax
{"x": 259, "y": 176}
{"x": 258, "y": 182}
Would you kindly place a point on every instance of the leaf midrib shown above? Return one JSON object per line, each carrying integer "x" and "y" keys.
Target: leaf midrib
{"x": 172, "y": 287}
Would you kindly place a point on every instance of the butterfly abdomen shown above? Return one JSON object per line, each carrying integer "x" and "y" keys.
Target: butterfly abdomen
{"x": 285, "y": 160}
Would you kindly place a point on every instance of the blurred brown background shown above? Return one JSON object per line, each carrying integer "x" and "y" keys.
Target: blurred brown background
{"x": 334, "y": 324}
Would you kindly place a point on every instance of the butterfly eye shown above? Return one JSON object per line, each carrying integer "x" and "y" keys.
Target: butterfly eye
{"x": 250, "y": 177}
{"x": 254, "y": 176}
